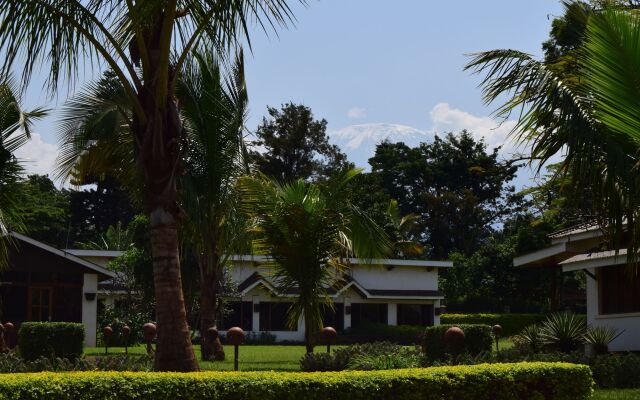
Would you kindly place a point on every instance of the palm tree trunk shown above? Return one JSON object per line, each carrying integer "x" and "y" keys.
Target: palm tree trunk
{"x": 210, "y": 350}
{"x": 309, "y": 332}
{"x": 174, "y": 349}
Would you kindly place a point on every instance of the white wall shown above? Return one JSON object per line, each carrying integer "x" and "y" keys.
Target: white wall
{"x": 629, "y": 323}
{"x": 90, "y": 309}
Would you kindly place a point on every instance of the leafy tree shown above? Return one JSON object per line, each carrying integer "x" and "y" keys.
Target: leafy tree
{"x": 309, "y": 230}
{"x": 44, "y": 210}
{"x": 292, "y": 145}
{"x": 15, "y": 131}
{"x": 146, "y": 45}
{"x": 594, "y": 120}
{"x": 457, "y": 188}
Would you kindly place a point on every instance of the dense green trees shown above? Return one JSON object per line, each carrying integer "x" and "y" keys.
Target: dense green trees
{"x": 291, "y": 145}
{"x": 457, "y": 188}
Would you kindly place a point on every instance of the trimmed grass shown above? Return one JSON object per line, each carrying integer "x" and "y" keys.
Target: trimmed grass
{"x": 251, "y": 358}
{"x": 616, "y": 394}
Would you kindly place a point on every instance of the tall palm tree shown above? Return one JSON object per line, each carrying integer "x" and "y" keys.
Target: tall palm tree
{"x": 15, "y": 131}
{"x": 214, "y": 110}
{"x": 308, "y": 231}
{"x": 95, "y": 139}
{"x": 146, "y": 44}
{"x": 592, "y": 118}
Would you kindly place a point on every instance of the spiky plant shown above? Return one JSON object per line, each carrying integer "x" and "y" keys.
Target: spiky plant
{"x": 564, "y": 331}
{"x": 599, "y": 337}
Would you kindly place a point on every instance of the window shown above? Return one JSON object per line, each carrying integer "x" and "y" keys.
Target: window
{"x": 619, "y": 290}
{"x": 333, "y": 317}
{"x": 238, "y": 313}
{"x": 415, "y": 314}
{"x": 273, "y": 316}
{"x": 40, "y": 305}
{"x": 368, "y": 313}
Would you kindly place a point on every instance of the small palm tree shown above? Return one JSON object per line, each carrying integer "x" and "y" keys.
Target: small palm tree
{"x": 308, "y": 231}
{"x": 592, "y": 118}
{"x": 15, "y": 131}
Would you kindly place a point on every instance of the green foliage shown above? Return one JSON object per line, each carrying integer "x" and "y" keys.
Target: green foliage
{"x": 599, "y": 337}
{"x": 529, "y": 339}
{"x": 50, "y": 339}
{"x": 564, "y": 331}
{"x": 296, "y": 146}
{"x": 511, "y": 323}
{"x": 402, "y": 358}
{"x": 12, "y": 363}
{"x": 342, "y": 358}
{"x": 401, "y": 334}
{"x": 515, "y": 381}
{"x": 478, "y": 339}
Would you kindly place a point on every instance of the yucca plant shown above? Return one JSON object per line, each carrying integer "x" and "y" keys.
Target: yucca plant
{"x": 599, "y": 337}
{"x": 564, "y": 331}
{"x": 531, "y": 338}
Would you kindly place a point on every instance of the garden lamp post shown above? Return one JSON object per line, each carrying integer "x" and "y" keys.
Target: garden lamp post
{"x": 235, "y": 337}
{"x": 454, "y": 339}
{"x": 497, "y": 330}
{"x": 126, "y": 331}
{"x": 328, "y": 335}
{"x": 107, "y": 331}
{"x": 149, "y": 332}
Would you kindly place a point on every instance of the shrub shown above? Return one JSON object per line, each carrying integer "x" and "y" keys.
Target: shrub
{"x": 50, "y": 339}
{"x": 478, "y": 339}
{"x": 340, "y": 359}
{"x": 260, "y": 338}
{"x": 511, "y": 323}
{"x": 12, "y": 363}
{"x": 497, "y": 382}
{"x": 529, "y": 340}
{"x": 599, "y": 337}
{"x": 564, "y": 331}
{"x": 401, "y": 334}
{"x": 403, "y": 358}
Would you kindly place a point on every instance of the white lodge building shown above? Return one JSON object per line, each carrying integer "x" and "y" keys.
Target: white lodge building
{"x": 613, "y": 291}
{"x": 389, "y": 291}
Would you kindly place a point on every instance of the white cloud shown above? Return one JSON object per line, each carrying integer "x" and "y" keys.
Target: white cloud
{"x": 357, "y": 113}
{"x": 444, "y": 118}
{"x": 38, "y": 156}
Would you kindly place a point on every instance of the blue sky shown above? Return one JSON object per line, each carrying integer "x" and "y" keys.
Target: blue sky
{"x": 375, "y": 64}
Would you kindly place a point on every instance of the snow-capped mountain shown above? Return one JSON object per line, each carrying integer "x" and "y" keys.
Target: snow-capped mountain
{"x": 359, "y": 141}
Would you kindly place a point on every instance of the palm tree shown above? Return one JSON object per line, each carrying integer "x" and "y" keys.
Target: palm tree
{"x": 308, "y": 231}
{"x": 15, "y": 131}
{"x": 404, "y": 226}
{"x": 593, "y": 118}
{"x": 95, "y": 138}
{"x": 146, "y": 44}
{"x": 214, "y": 111}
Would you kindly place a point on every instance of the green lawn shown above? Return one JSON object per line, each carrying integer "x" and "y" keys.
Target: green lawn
{"x": 617, "y": 394}
{"x": 252, "y": 358}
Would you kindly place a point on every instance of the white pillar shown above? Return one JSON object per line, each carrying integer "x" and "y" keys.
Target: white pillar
{"x": 256, "y": 315}
{"x": 392, "y": 316}
{"x": 90, "y": 308}
{"x": 436, "y": 318}
{"x": 347, "y": 317}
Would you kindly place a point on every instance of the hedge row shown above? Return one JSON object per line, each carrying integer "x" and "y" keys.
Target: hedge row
{"x": 512, "y": 324}
{"x": 551, "y": 381}
{"x": 478, "y": 339}
{"x": 51, "y": 340}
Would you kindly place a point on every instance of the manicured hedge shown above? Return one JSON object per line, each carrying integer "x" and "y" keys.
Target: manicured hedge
{"x": 512, "y": 324}
{"x": 50, "y": 339}
{"x": 478, "y": 339}
{"x": 550, "y": 381}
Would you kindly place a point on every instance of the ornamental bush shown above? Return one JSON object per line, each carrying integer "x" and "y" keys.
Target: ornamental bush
{"x": 478, "y": 339}
{"x": 540, "y": 381}
{"x": 511, "y": 324}
{"x": 50, "y": 340}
